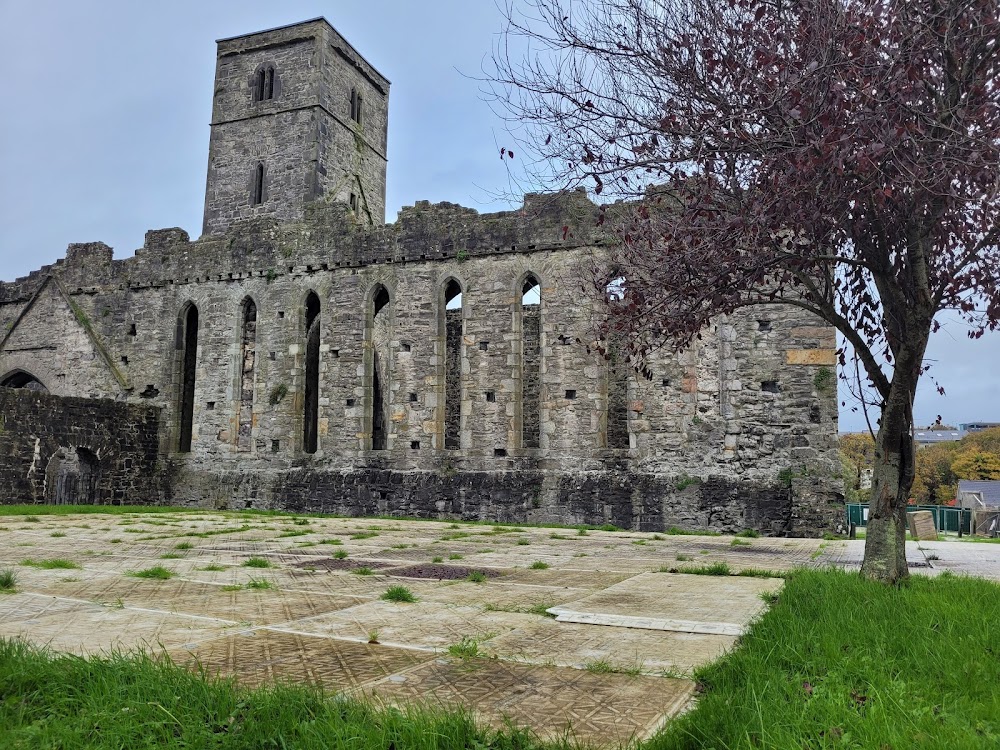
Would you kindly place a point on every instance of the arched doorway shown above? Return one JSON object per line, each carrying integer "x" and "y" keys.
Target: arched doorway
{"x": 71, "y": 477}
{"x": 22, "y": 379}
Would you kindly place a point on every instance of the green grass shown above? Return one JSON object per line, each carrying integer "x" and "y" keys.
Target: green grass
{"x": 56, "y": 564}
{"x": 839, "y": 662}
{"x": 714, "y": 569}
{"x": 737, "y": 542}
{"x": 467, "y": 648}
{"x": 260, "y": 584}
{"x": 257, "y": 562}
{"x": 330, "y": 541}
{"x": 124, "y": 701}
{"x": 363, "y": 571}
{"x": 539, "y": 565}
{"x": 674, "y": 531}
{"x": 340, "y": 554}
{"x": 364, "y": 535}
{"x": 476, "y": 576}
{"x": 184, "y": 545}
{"x": 437, "y": 559}
{"x": 749, "y": 533}
{"x": 454, "y": 556}
{"x": 8, "y": 579}
{"x": 157, "y": 573}
{"x": 57, "y": 534}
{"x": 398, "y": 594}
{"x": 212, "y": 566}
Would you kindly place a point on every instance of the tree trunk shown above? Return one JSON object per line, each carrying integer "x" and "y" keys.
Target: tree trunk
{"x": 885, "y": 537}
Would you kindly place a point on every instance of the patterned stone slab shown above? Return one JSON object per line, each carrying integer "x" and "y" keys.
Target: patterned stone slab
{"x": 555, "y": 702}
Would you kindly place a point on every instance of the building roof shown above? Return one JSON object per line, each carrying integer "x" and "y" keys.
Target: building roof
{"x": 990, "y": 489}
{"x": 937, "y": 436}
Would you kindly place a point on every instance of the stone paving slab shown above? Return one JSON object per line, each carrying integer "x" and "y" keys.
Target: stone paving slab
{"x": 87, "y": 628}
{"x": 721, "y": 605}
{"x": 545, "y": 641}
{"x": 422, "y": 624}
{"x": 258, "y": 656}
{"x": 315, "y": 624}
{"x": 555, "y": 702}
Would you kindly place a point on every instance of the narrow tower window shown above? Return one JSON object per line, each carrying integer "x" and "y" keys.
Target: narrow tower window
{"x": 379, "y": 332}
{"x": 248, "y": 354}
{"x": 269, "y": 83}
{"x": 186, "y": 344}
{"x": 453, "y": 331}
{"x": 310, "y": 421}
{"x": 263, "y": 84}
{"x": 257, "y": 190}
{"x": 356, "y": 105}
{"x": 531, "y": 361}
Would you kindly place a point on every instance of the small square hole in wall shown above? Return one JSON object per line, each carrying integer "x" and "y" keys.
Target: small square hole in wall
{"x": 491, "y": 397}
{"x": 415, "y": 445}
{"x": 335, "y": 353}
{"x": 770, "y": 386}
{"x": 210, "y": 405}
{"x": 764, "y": 325}
{"x": 499, "y": 452}
{"x": 131, "y": 330}
{"x": 124, "y": 360}
{"x": 413, "y": 398}
{"x": 570, "y": 395}
{"x": 275, "y": 444}
{"x": 484, "y": 345}
{"x": 666, "y": 382}
{"x": 350, "y": 402}
{"x": 281, "y": 314}
{"x": 272, "y": 355}
{"x": 405, "y": 347}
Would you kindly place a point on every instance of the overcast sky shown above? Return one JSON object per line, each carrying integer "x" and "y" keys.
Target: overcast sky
{"x": 104, "y": 132}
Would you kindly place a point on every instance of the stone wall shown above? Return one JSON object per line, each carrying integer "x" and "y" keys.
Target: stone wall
{"x": 76, "y": 450}
{"x": 752, "y": 405}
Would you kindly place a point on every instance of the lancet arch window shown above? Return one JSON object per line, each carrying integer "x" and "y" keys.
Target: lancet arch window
{"x": 310, "y": 414}
{"x": 378, "y": 332}
{"x": 257, "y": 185}
{"x": 264, "y": 81}
{"x": 186, "y": 356}
{"x": 530, "y": 313}
{"x": 246, "y": 367}
{"x": 452, "y": 338}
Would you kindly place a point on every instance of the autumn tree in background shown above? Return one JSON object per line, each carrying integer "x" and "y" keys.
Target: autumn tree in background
{"x": 836, "y": 155}
{"x": 934, "y": 480}
{"x": 857, "y": 452}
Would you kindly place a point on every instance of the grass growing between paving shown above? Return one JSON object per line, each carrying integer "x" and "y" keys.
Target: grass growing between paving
{"x": 138, "y": 701}
{"x": 839, "y": 662}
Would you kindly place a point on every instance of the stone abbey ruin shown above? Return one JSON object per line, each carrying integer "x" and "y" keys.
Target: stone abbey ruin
{"x": 304, "y": 355}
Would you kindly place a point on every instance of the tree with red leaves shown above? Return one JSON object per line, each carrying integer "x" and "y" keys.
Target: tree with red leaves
{"x": 841, "y": 156}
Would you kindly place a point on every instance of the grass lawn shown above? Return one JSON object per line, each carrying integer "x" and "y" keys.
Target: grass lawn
{"x": 839, "y": 662}
{"x": 68, "y": 702}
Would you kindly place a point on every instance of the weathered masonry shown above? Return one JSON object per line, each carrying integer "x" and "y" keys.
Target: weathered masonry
{"x": 303, "y": 354}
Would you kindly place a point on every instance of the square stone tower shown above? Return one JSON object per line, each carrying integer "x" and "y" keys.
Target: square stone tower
{"x": 297, "y": 116}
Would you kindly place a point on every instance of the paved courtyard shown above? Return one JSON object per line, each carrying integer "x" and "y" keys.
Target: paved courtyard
{"x": 592, "y": 636}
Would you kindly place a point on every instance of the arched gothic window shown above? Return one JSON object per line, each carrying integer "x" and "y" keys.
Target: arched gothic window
{"x": 186, "y": 353}
{"x": 310, "y": 422}
{"x": 531, "y": 362}
{"x": 248, "y": 356}
{"x": 452, "y": 344}
{"x": 257, "y": 188}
